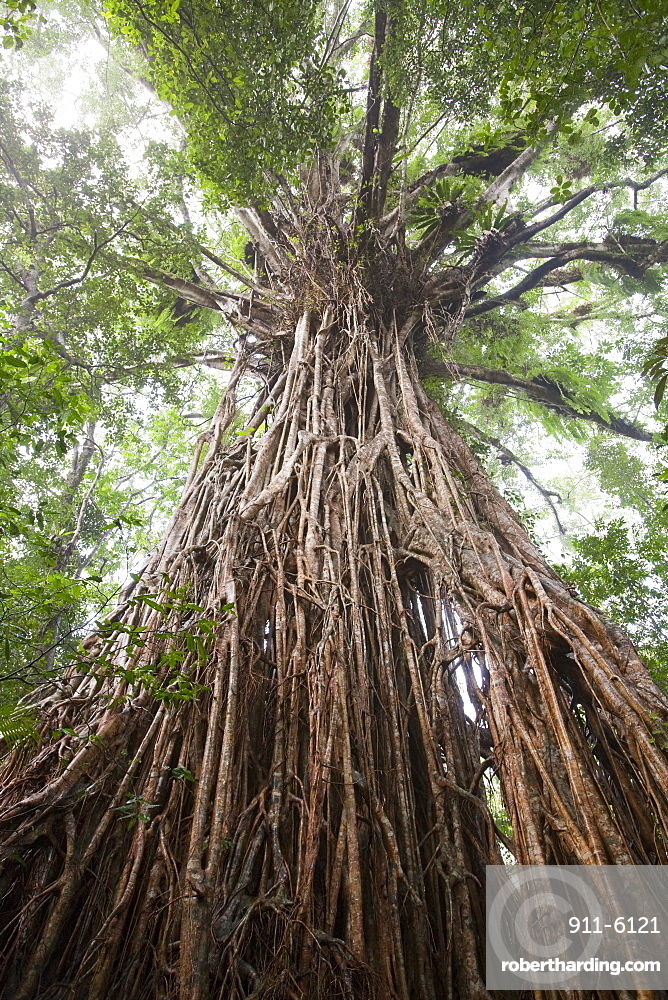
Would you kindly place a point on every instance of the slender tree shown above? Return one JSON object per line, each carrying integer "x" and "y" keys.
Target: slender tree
{"x": 259, "y": 779}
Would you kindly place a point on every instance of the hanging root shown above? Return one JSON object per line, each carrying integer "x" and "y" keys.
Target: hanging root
{"x": 263, "y": 780}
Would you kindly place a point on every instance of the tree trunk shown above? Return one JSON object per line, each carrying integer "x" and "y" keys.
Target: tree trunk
{"x": 313, "y": 822}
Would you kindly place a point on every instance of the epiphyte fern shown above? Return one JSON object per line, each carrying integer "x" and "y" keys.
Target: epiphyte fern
{"x": 16, "y": 724}
{"x": 444, "y": 193}
{"x": 656, "y": 368}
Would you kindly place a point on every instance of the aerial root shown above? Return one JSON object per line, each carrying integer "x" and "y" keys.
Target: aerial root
{"x": 314, "y": 819}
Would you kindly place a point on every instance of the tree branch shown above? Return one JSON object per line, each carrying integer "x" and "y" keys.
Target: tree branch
{"x": 332, "y": 43}
{"x": 539, "y": 390}
{"x": 209, "y": 254}
{"x": 215, "y": 259}
{"x": 452, "y": 218}
{"x": 512, "y": 457}
{"x": 632, "y": 265}
{"x": 71, "y": 282}
{"x": 251, "y": 220}
{"x": 238, "y": 309}
{"x": 478, "y": 163}
{"x": 499, "y": 189}
{"x": 580, "y": 196}
{"x": 217, "y": 299}
{"x": 387, "y": 145}
{"x": 371, "y": 132}
{"x": 568, "y": 206}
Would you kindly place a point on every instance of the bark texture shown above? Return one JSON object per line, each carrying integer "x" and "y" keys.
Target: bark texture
{"x": 314, "y": 824}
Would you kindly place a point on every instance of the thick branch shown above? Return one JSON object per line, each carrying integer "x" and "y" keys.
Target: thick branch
{"x": 580, "y": 196}
{"x": 564, "y": 210}
{"x": 481, "y": 163}
{"x": 544, "y": 391}
{"x": 478, "y": 163}
{"x": 519, "y": 235}
{"x": 371, "y": 131}
{"x": 80, "y": 462}
{"x": 240, "y": 310}
{"x": 632, "y": 265}
{"x": 208, "y": 298}
{"x": 454, "y": 217}
{"x": 255, "y": 226}
{"x": 387, "y": 145}
{"x": 499, "y": 189}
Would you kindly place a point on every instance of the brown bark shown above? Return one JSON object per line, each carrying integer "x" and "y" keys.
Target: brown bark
{"x": 315, "y": 823}
{"x": 540, "y": 390}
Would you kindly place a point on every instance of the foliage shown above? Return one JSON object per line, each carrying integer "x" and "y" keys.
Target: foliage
{"x": 16, "y": 725}
{"x": 250, "y": 81}
{"x": 431, "y": 211}
{"x": 441, "y": 195}
{"x": 549, "y": 61}
{"x": 41, "y": 400}
{"x": 15, "y": 18}
{"x": 656, "y": 368}
{"x": 86, "y": 341}
{"x": 622, "y": 570}
{"x": 79, "y": 233}
{"x": 561, "y": 56}
{"x": 186, "y": 629}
